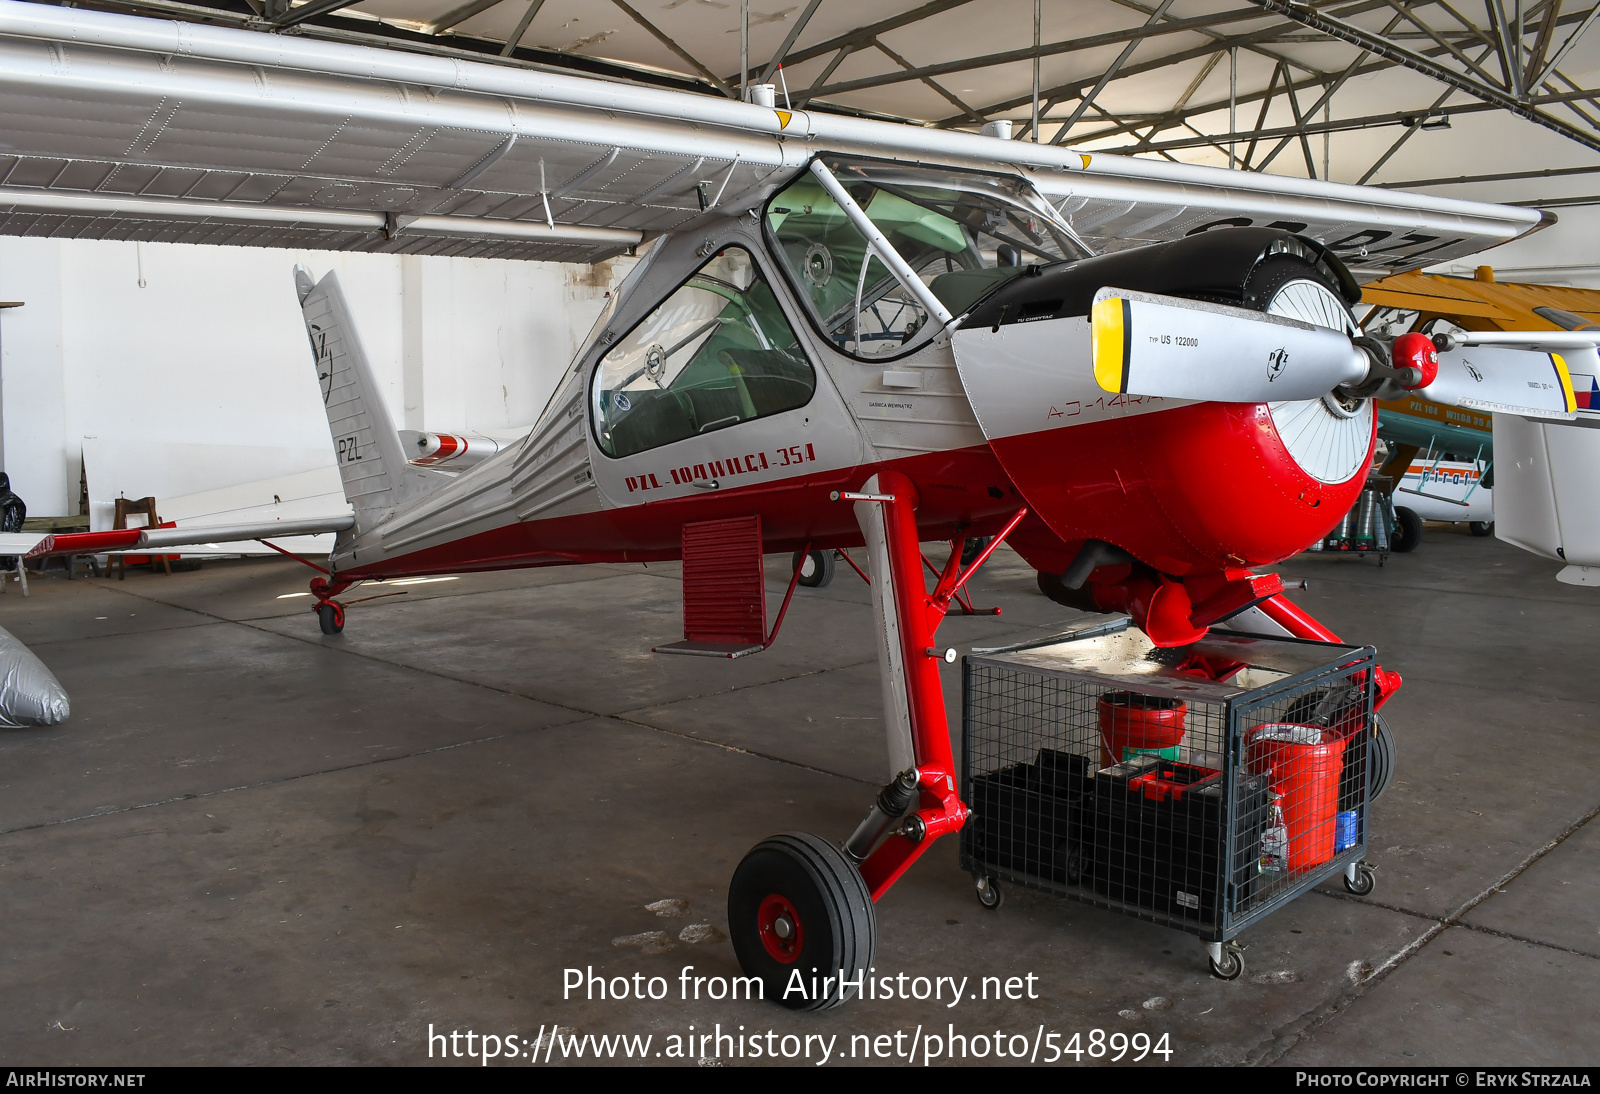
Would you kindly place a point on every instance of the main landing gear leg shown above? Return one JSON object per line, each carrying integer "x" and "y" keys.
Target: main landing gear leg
{"x": 800, "y": 909}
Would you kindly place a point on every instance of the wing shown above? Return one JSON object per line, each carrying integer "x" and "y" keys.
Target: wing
{"x": 129, "y": 128}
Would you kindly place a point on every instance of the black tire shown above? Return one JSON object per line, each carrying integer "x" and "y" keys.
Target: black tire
{"x": 1380, "y": 758}
{"x": 1481, "y": 527}
{"x": 990, "y": 895}
{"x": 834, "y": 929}
{"x": 816, "y": 568}
{"x": 1231, "y": 967}
{"x": 1380, "y": 751}
{"x": 1407, "y": 531}
{"x": 330, "y": 618}
{"x": 1364, "y": 883}
{"x": 972, "y": 548}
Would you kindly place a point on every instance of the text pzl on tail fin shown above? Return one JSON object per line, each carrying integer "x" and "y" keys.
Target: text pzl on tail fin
{"x": 373, "y": 467}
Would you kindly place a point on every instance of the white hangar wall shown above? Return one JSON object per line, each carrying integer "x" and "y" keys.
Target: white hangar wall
{"x": 191, "y": 362}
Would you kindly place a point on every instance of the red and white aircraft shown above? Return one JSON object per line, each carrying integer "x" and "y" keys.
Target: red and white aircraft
{"x": 1143, "y": 376}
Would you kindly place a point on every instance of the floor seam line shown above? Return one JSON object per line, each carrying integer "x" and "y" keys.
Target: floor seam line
{"x": 463, "y": 593}
{"x": 516, "y": 694}
{"x": 1426, "y": 917}
{"x": 741, "y": 751}
{"x": 1276, "y": 1049}
{"x": 263, "y": 782}
{"x": 743, "y": 687}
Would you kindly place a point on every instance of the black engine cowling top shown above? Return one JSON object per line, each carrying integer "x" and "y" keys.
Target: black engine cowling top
{"x": 1215, "y": 266}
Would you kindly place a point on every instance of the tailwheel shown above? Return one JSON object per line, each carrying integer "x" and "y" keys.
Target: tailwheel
{"x": 799, "y": 916}
{"x": 330, "y": 617}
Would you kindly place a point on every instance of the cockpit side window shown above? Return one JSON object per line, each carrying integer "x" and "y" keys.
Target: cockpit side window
{"x": 715, "y": 353}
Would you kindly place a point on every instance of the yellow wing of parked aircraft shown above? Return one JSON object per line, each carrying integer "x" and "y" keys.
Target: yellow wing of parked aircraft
{"x": 1543, "y": 515}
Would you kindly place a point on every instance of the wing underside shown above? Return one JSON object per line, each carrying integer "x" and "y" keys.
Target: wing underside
{"x": 118, "y": 127}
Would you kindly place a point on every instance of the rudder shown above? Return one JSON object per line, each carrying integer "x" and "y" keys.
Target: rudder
{"x": 372, "y": 464}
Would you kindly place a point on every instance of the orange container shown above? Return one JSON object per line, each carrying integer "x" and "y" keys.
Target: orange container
{"x": 1302, "y": 763}
{"x": 1132, "y": 725}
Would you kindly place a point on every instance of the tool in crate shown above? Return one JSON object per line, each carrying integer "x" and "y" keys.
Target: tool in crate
{"x": 1203, "y": 787}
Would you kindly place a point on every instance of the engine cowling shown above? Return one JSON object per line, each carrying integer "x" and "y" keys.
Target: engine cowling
{"x": 1185, "y": 487}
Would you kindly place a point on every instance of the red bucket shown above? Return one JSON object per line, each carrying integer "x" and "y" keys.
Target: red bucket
{"x": 1133, "y": 725}
{"x": 1302, "y": 763}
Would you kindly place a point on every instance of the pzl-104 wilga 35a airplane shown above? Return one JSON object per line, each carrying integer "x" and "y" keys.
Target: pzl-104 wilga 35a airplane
{"x": 1143, "y": 376}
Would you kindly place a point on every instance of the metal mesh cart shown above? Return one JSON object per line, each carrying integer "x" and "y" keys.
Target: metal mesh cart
{"x": 1200, "y": 787}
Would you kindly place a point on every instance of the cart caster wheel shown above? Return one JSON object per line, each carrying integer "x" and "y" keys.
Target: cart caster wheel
{"x": 816, "y": 568}
{"x": 330, "y": 617}
{"x": 797, "y": 903}
{"x": 990, "y": 895}
{"x": 1360, "y": 880}
{"x": 1230, "y": 966}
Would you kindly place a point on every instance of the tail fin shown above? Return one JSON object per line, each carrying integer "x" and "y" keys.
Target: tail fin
{"x": 372, "y": 464}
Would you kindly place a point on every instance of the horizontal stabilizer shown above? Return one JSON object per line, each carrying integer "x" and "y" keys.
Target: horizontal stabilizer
{"x": 1186, "y": 349}
{"x": 134, "y": 539}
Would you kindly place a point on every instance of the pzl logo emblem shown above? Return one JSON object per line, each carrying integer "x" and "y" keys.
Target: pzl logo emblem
{"x": 1277, "y": 361}
{"x": 1475, "y": 374}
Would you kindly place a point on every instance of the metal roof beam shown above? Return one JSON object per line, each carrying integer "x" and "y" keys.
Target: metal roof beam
{"x": 1131, "y": 35}
{"x": 1063, "y": 92}
{"x": 788, "y": 41}
{"x": 940, "y": 90}
{"x": 862, "y": 36}
{"x": 460, "y": 15}
{"x": 291, "y": 17}
{"x": 1503, "y": 176}
{"x": 1110, "y": 74}
{"x": 1399, "y": 55}
{"x": 655, "y": 32}
{"x": 1572, "y": 40}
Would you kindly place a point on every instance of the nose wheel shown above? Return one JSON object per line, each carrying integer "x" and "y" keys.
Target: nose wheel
{"x": 800, "y": 918}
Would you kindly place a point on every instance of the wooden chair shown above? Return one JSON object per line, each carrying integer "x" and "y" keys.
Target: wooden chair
{"x": 125, "y": 508}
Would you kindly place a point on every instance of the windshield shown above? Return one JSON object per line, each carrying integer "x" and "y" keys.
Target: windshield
{"x": 962, "y": 232}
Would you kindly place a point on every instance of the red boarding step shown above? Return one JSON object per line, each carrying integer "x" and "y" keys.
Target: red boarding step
{"x": 724, "y": 589}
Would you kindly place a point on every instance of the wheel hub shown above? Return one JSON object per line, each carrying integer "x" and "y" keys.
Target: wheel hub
{"x": 779, "y": 927}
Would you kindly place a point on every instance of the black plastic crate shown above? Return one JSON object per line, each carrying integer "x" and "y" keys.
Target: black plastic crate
{"x": 1160, "y": 847}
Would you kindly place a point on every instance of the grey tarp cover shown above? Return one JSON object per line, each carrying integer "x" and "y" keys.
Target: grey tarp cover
{"x": 30, "y": 695}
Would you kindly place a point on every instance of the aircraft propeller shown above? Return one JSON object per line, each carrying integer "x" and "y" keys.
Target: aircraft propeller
{"x": 1144, "y": 344}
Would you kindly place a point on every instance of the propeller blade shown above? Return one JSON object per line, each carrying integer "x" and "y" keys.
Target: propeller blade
{"x": 1145, "y": 344}
{"x": 1503, "y": 380}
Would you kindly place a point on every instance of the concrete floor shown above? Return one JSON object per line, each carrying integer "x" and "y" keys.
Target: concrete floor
{"x": 254, "y": 844}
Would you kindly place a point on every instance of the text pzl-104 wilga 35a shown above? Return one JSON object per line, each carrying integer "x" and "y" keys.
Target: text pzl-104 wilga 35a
{"x": 1144, "y": 377}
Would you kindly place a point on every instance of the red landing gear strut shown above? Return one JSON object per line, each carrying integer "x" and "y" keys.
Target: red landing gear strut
{"x": 800, "y": 908}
